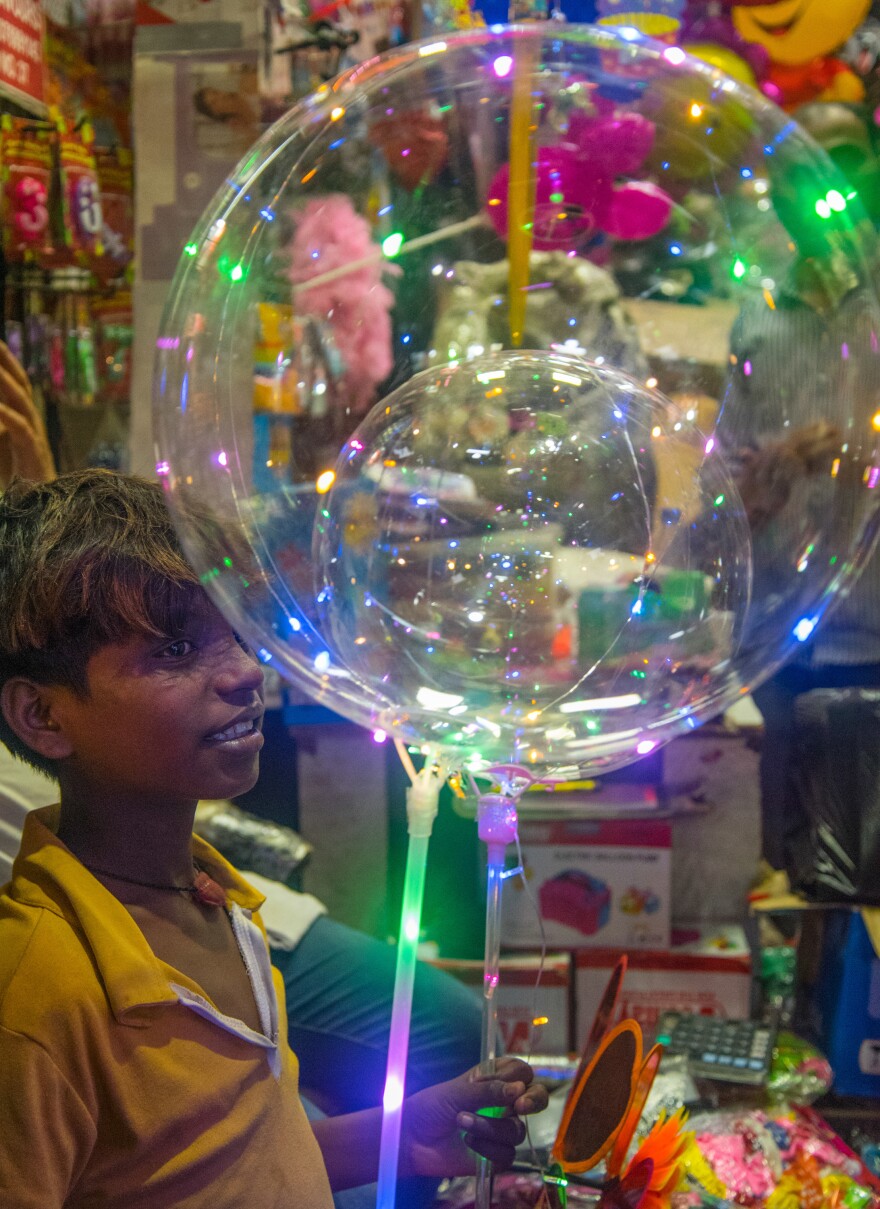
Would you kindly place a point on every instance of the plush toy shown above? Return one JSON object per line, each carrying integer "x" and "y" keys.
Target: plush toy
{"x": 800, "y": 36}
{"x": 582, "y": 186}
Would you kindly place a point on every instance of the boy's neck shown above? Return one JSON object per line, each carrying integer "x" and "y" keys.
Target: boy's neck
{"x": 131, "y": 838}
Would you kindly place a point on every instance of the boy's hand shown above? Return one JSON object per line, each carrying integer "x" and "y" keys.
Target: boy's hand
{"x": 442, "y": 1128}
{"x": 24, "y": 447}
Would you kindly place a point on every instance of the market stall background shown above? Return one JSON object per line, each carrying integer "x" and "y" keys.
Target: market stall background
{"x": 204, "y": 82}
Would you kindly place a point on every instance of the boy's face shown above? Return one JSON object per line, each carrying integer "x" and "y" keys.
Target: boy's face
{"x": 168, "y": 719}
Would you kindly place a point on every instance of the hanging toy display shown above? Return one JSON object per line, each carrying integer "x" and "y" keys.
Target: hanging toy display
{"x": 81, "y": 195}
{"x": 488, "y": 567}
{"x": 27, "y": 181}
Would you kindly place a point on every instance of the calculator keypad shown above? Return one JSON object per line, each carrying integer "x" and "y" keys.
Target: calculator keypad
{"x": 736, "y": 1051}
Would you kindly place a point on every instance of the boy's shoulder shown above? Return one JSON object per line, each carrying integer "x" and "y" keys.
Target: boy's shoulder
{"x": 46, "y": 969}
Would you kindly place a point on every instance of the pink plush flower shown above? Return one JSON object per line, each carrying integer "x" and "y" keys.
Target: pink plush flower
{"x": 333, "y": 246}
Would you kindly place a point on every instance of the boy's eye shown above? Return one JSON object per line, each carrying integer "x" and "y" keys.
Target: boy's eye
{"x": 178, "y": 649}
{"x": 242, "y": 642}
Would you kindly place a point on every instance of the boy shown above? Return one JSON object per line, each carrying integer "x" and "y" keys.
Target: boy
{"x": 143, "y": 1057}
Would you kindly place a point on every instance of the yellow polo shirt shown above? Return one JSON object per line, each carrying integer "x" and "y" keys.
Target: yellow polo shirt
{"x": 116, "y": 1090}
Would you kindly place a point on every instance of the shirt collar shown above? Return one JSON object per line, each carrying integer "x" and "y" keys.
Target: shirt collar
{"x": 46, "y": 874}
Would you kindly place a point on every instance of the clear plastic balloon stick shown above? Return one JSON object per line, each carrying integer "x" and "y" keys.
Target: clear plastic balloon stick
{"x": 490, "y": 1010}
{"x": 421, "y": 808}
{"x": 496, "y": 822}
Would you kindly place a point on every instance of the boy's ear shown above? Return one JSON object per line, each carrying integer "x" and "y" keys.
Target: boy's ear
{"x": 27, "y": 708}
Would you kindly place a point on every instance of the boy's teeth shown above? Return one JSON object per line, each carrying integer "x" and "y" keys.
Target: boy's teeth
{"x": 234, "y": 732}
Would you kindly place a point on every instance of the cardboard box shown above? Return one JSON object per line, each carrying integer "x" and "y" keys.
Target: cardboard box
{"x": 594, "y": 882}
{"x": 707, "y": 969}
{"x": 520, "y": 1002}
{"x": 846, "y": 1004}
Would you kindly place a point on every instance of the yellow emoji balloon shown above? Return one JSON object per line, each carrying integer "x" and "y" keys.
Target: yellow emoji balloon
{"x": 799, "y": 36}
{"x": 796, "y": 31}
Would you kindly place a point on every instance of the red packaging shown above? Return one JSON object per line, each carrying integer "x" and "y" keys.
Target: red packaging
{"x": 117, "y": 209}
{"x": 27, "y": 179}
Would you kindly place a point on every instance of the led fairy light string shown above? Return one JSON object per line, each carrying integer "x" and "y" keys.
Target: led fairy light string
{"x": 421, "y": 810}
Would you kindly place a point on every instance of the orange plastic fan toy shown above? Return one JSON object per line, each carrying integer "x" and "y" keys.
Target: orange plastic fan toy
{"x": 607, "y": 1099}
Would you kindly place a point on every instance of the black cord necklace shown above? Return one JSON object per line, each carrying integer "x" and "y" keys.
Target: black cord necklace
{"x": 203, "y": 888}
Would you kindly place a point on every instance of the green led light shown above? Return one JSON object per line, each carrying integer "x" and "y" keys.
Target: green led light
{"x": 718, "y": 501}
{"x": 236, "y": 273}
{"x": 191, "y": 248}
{"x": 739, "y": 268}
{"x": 835, "y": 200}
{"x": 392, "y": 244}
{"x": 822, "y": 208}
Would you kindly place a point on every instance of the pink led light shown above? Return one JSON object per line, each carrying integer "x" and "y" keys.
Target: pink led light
{"x": 645, "y": 746}
{"x": 502, "y": 66}
{"x": 222, "y": 459}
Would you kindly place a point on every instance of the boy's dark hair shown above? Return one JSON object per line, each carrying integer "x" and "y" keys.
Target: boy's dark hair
{"x": 89, "y": 559}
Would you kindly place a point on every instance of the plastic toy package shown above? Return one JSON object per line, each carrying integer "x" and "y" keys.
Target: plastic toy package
{"x": 800, "y": 1074}
{"x": 27, "y": 180}
{"x": 787, "y": 1160}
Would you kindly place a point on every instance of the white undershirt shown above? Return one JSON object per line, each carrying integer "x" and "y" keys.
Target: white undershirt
{"x": 255, "y": 956}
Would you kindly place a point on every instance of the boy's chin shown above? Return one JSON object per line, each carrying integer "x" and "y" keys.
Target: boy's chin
{"x": 230, "y": 786}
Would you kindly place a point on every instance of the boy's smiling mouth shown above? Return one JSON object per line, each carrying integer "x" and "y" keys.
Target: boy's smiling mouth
{"x": 242, "y": 729}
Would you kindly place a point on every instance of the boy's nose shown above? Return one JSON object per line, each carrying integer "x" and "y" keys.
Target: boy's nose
{"x": 241, "y": 671}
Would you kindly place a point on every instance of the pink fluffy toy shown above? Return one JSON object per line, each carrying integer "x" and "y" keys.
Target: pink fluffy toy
{"x": 330, "y": 236}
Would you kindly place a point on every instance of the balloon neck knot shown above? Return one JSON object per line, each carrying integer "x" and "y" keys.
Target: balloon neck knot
{"x": 422, "y": 798}
{"x": 496, "y": 824}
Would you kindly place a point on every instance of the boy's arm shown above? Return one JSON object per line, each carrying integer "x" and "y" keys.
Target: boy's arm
{"x": 441, "y": 1128}
{"x": 46, "y": 1132}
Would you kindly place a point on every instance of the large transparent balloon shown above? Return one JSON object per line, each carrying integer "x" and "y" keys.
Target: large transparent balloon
{"x": 441, "y": 519}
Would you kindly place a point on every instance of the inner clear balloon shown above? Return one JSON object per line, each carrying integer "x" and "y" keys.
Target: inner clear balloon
{"x": 498, "y": 558}
{"x": 584, "y": 194}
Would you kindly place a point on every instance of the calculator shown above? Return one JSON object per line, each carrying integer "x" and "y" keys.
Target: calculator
{"x": 735, "y": 1051}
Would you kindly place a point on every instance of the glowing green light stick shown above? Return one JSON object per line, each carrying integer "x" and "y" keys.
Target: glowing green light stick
{"x": 421, "y": 810}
